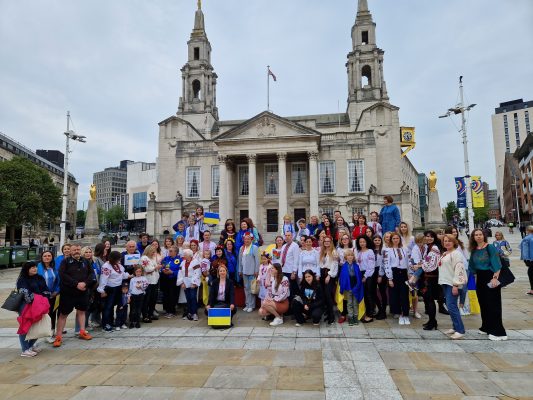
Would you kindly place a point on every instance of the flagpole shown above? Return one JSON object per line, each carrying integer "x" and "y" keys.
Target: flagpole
{"x": 268, "y": 88}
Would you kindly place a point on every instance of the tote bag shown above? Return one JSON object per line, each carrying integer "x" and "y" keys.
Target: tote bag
{"x": 40, "y": 329}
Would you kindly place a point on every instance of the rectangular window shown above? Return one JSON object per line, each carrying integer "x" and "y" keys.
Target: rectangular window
{"x": 215, "y": 180}
{"x": 196, "y": 53}
{"x": 272, "y": 220}
{"x": 528, "y": 129}
{"x": 327, "y": 177}
{"x": 358, "y": 210}
{"x": 299, "y": 178}
{"x": 193, "y": 182}
{"x": 364, "y": 37}
{"x": 506, "y": 128}
{"x": 243, "y": 180}
{"x": 516, "y": 130}
{"x": 271, "y": 179}
{"x": 326, "y": 210}
{"x": 139, "y": 202}
{"x": 356, "y": 176}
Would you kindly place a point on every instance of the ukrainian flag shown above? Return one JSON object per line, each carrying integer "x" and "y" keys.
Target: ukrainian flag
{"x": 211, "y": 218}
{"x": 219, "y": 317}
{"x": 472, "y": 295}
{"x": 339, "y": 297}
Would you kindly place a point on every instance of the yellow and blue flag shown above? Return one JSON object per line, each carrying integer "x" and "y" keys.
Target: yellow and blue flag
{"x": 211, "y": 218}
{"x": 472, "y": 295}
{"x": 219, "y": 317}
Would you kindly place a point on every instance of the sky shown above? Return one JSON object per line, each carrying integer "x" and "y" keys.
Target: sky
{"x": 115, "y": 65}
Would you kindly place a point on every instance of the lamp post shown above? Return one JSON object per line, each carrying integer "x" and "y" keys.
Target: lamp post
{"x": 70, "y": 135}
{"x": 461, "y": 109}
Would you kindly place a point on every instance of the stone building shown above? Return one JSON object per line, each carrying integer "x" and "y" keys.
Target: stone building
{"x": 10, "y": 148}
{"x": 268, "y": 165}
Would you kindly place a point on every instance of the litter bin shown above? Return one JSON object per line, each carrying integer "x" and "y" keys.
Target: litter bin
{"x": 19, "y": 255}
{"x": 5, "y": 256}
{"x": 33, "y": 254}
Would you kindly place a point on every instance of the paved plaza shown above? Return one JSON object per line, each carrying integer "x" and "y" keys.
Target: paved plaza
{"x": 175, "y": 359}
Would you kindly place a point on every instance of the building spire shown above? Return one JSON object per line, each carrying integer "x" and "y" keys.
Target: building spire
{"x": 199, "y": 26}
{"x": 363, "y": 6}
{"x": 199, "y": 4}
{"x": 363, "y": 13}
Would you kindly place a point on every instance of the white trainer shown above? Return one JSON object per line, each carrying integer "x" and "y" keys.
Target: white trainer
{"x": 401, "y": 320}
{"x": 277, "y": 321}
{"x": 406, "y": 321}
{"x": 497, "y": 338}
{"x": 457, "y": 335}
{"x": 449, "y": 332}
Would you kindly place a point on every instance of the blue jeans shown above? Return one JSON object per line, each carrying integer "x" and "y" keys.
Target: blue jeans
{"x": 26, "y": 344}
{"x": 192, "y": 300}
{"x": 464, "y": 291}
{"x": 110, "y": 301}
{"x": 451, "y": 303}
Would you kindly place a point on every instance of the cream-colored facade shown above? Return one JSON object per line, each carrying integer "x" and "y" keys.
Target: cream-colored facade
{"x": 268, "y": 166}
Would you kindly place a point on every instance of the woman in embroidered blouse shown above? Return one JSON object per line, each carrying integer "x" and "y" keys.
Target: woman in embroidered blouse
{"x": 50, "y": 272}
{"x": 408, "y": 240}
{"x": 329, "y": 268}
{"x": 277, "y": 300}
{"x": 430, "y": 278}
{"x": 189, "y": 280}
{"x": 276, "y": 251}
{"x": 452, "y": 230}
{"x": 308, "y": 259}
{"x": 151, "y": 264}
{"x": 194, "y": 245}
{"x": 381, "y": 300}
{"x": 169, "y": 242}
{"x": 367, "y": 265}
{"x": 450, "y": 265}
{"x": 359, "y": 228}
{"x": 395, "y": 262}
{"x": 485, "y": 263}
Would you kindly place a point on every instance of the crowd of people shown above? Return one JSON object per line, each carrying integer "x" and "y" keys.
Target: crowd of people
{"x": 321, "y": 269}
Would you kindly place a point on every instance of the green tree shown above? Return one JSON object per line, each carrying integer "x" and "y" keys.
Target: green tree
{"x": 80, "y": 218}
{"x": 481, "y": 214}
{"x": 450, "y": 210}
{"x": 114, "y": 216}
{"x": 27, "y": 195}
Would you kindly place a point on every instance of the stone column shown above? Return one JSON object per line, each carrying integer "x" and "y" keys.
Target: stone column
{"x": 232, "y": 187}
{"x": 223, "y": 188}
{"x": 282, "y": 186}
{"x": 313, "y": 182}
{"x": 252, "y": 188}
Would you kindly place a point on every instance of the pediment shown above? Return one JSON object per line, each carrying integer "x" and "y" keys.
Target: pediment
{"x": 268, "y": 126}
{"x": 191, "y": 206}
{"x": 328, "y": 202}
{"x": 356, "y": 201}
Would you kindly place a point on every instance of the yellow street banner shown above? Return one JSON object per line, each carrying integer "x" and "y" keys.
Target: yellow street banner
{"x": 477, "y": 192}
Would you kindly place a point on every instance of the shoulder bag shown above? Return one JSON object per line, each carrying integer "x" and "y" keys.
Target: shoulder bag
{"x": 506, "y": 277}
{"x": 13, "y": 301}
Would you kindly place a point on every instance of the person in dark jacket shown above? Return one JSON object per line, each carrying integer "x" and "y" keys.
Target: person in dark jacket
{"x": 222, "y": 291}
{"x": 76, "y": 278}
{"x": 310, "y": 302}
{"x": 30, "y": 283}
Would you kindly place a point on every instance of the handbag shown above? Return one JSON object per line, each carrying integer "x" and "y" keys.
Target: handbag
{"x": 13, "y": 301}
{"x": 254, "y": 286}
{"x": 506, "y": 277}
{"x": 40, "y": 329}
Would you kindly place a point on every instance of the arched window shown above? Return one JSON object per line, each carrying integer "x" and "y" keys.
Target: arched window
{"x": 196, "y": 88}
{"x": 366, "y": 76}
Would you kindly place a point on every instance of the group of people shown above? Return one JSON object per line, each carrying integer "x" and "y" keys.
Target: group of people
{"x": 318, "y": 269}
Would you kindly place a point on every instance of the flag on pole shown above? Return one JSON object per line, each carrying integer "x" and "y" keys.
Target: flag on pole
{"x": 461, "y": 192}
{"x": 211, "y": 218}
{"x": 272, "y": 74}
{"x": 477, "y": 192}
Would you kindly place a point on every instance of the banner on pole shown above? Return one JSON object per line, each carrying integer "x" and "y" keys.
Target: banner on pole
{"x": 478, "y": 200}
{"x": 461, "y": 192}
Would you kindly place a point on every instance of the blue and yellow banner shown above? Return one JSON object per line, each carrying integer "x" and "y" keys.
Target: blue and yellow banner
{"x": 219, "y": 317}
{"x": 461, "y": 192}
{"x": 211, "y": 218}
{"x": 477, "y": 192}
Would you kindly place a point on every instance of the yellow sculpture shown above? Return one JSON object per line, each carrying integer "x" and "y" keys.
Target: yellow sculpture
{"x": 92, "y": 192}
{"x": 432, "y": 181}
{"x": 199, "y": 4}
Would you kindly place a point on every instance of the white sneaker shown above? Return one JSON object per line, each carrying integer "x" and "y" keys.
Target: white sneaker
{"x": 406, "y": 321}
{"x": 449, "y": 332}
{"x": 401, "y": 320}
{"x": 28, "y": 353}
{"x": 457, "y": 335}
{"x": 276, "y": 322}
{"x": 297, "y": 325}
{"x": 417, "y": 315}
{"x": 497, "y": 338}
{"x": 245, "y": 309}
{"x": 195, "y": 317}
{"x": 250, "y": 309}
{"x": 462, "y": 311}
{"x": 466, "y": 311}
{"x": 117, "y": 328}
{"x": 124, "y": 326}
{"x": 51, "y": 339}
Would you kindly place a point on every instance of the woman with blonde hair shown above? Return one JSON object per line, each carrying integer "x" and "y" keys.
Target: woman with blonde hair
{"x": 151, "y": 264}
{"x": 328, "y": 260}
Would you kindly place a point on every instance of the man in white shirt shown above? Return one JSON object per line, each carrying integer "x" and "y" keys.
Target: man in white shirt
{"x": 207, "y": 244}
{"x": 289, "y": 263}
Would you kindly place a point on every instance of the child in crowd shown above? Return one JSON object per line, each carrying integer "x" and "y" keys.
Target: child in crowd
{"x": 415, "y": 261}
{"x": 302, "y": 229}
{"x": 351, "y": 286}
{"x": 122, "y": 309}
{"x": 193, "y": 230}
{"x": 181, "y": 230}
{"x": 137, "y": 290}
{"x": 287, "y": 225}
{"x": 374, "y": 223}
{"x": 264, "y": 275}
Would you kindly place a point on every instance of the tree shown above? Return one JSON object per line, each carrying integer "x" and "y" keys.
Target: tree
{"x": 450, "y": 210}
{"x": 114, "y": 216}
{"x": 481, "y": 214}
{"x": 80, "y": 218}
{"x": 27, "y": 195}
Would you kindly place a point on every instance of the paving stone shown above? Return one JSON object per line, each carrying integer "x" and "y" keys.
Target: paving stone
{"x": 162, "y": 356}
{"x": 304, "y": 378}
{"x": 282, "y": 343}
{"x": 336, "y": 355}
{"x": 245, "y": 377}
{"x": 368, "y": 354}
{"x": 262, "y": 357}
{"x": 382, "y": 394}
{"x": 232, "y": 343}
{"x": 56, "y": 375}
{"x": 11, "y": 389}
{"x": 353, "y": 393}
{"x": 95, "y": 376}
{"x": 336, "y": 380}
{"x": 371, "y": 381}
{"x": 150, "y": 393}
{"x": 428, "y": 382}
{"x": 181, "y": 376}
{"x": 338, "y": 366}
{"x": 296, "y": 395}
{"x": 405, "y": 333}
{"x": 308, "y": 344}
{"x": 101, "y": 356}
{"x": 132, "y": 375}
{"x": 376, "y": 333}
{"x": 396, "y": 360}
{"x": 514, "y": 384}
{"x": 101, "y": 392}
{"x": 334, "y": 343}
{"x": 48, "y": 392}
{"x": 507, "y": 362}
{"x": 447, "y": 362}
{"x": 257, "y": 344}
{"x": 475, "y": 383}
{"x": 371, "y": 368}
{"x": 208, "y": 393}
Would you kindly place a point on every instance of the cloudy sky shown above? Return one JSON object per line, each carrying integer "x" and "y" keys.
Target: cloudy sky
{"x": 115, "y": 66}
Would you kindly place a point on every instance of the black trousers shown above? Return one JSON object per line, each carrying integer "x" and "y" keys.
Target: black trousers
{"x": 430, "y": 293}
{"x": 121, "y": 315}
{"x": 136, "y": 304}
{"x": 301, "y": 314}
{"x": 382, "y": 301}
{"x": 52, "y": 313}
{"x": 529, "y": 264}
{"x": 370, "y": 294}
{"x": 329, "y": 293}
{"x": 150, "y": 298}
{"x": 490, "y": 303}
{"x": 399, "y": 294}
{"x": 170, "y": 294}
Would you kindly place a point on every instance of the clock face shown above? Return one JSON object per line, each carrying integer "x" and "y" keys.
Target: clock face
{"x": 407, "y": 136}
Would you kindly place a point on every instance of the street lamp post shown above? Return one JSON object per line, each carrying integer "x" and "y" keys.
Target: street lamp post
{"x": 70, "y": 135}
{"x": 461, "y": 109}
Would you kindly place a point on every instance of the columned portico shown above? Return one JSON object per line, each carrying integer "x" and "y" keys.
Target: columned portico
{"x": 223, "y": 192}
{"x": 252, "y": 187}
{"x": 282, "y": 174}
{"x": 313, "y": 182}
